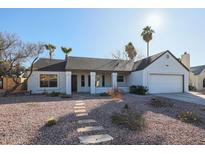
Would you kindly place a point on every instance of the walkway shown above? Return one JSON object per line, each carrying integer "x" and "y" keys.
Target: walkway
{"x": 89, "y": 132}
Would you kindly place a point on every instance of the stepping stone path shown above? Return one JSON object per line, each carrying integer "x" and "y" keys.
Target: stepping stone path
{"x": 80, "y": 112}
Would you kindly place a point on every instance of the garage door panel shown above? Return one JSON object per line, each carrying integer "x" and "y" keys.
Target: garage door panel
{"x": 160, "y": 83}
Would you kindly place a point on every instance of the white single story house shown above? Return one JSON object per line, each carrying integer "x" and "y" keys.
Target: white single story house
{"x": 160, "y": 73}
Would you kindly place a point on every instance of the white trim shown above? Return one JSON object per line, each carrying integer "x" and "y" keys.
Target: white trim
{"x": 49, "y": 88}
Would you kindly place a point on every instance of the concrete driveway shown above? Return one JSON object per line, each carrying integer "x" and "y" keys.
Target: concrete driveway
{"x": 191, "y": 97}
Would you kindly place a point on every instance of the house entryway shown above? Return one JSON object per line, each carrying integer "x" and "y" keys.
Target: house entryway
{"x": 74, "y": 83}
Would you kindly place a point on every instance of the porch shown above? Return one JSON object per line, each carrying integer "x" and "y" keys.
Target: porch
{"x": 95, "y": 82}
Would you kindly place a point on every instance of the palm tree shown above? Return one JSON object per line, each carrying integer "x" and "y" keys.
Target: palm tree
{"x": 130, "y": 50}
{"x": 147, "y": 36}
{"x": 51, "y": 48}
{"x": 66, "y": 51}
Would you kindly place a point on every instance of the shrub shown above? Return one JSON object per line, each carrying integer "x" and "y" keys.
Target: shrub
{"x": 189, "y": 117}
{"x": 140, "y": 90}
{"x": 51, "y": 121}
{"x": 66, "y": 96}
{"x": 192, "y": 88}
{"x": 132, "y": 89}
{"x": 158, "y": 103}
{"x": 104, "y": 94}
{"x": 129, "y": 119}
{"x": 54, "y": 94}
{"x": 115, "y": 93}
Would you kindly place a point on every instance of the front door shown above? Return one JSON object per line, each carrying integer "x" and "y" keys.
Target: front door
{"x": 74, "y": 83}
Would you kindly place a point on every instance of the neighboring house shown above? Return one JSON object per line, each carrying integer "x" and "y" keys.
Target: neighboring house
{"x": 197, "y": 77}
{"x": 160, "y": 73}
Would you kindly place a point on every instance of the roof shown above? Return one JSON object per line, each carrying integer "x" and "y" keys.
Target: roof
{"x": 143, "y": 63}
{"x": 96, "y": 64}
{"x": 197, "y": 69}
{"x": 45, "y": 64}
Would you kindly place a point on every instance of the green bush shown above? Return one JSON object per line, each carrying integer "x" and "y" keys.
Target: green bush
{"x": 192, "y": 88}
{"x": 54, "y": 94}
{"x": 51, "y": 121}
{"x": 132, "y": 89}
{"x": 158, "y": 103}
{"x": 140, "y": 90}
{"x": 189, "y": 117}
{"x": 66, "y": 96}
{"x": 129, "y": 119}
{"x": 104, "y": 94}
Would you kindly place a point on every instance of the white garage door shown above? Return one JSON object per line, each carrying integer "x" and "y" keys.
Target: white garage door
{"x": 160, "y": 83}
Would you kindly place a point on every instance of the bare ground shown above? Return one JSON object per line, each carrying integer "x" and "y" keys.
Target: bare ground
{"x": 23, "y": 120}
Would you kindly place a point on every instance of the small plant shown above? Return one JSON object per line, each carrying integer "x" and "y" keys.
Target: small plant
{"x": 65, "y": 96}
{"x": 132, "y": 120}
{"x": 104, "y": 94}
{"x": 129, "y": 119}
{"x": 158, "y": 103}
{"x": 54, "y": 94}
{"x": 192, "y": 88}
{"x": 140, "y": 90}
{"x": 115, "y": 93}
{"x": 51, "y": 121}
{"x": 189, "y": 117}
{"x": 126, "y": 107}
{"x": 132, "y": 89}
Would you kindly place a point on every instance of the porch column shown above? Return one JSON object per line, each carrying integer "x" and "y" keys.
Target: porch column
{"x": 92, "y": 82}
{"x": 68, "y": 82}
{"x": 114, "y": 80}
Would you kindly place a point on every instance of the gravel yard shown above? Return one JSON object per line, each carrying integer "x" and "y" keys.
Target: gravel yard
{"x": 23, "y": 120}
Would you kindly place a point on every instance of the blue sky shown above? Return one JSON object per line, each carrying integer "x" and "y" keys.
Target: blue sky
{"x": 99, "y": 32}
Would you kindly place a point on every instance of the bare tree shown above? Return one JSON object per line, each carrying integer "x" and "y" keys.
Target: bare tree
{"x": 14, "y": 55}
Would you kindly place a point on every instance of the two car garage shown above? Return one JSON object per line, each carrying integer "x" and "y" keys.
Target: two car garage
{"x": 164, "y": 83}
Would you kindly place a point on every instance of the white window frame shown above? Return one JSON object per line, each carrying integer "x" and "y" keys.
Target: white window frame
{"x": 45, "y": 73}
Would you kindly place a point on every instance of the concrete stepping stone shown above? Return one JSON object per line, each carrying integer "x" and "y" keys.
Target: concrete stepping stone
{"x": 79, "y": 107}
{"x": 92, "y": 139}
{"x": 78, "y": 101}
{"x": 85, "y": 121}
{"x": 81, "y": 114}
{"x": 89, "y": 128}
{"x": 79, "y": 104}
{"x": 80, "y": 111}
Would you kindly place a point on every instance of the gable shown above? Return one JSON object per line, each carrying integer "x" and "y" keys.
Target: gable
{"x": 167, "y": 63}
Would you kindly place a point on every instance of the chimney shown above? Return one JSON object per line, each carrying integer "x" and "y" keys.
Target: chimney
{"x": 185, "y": 59}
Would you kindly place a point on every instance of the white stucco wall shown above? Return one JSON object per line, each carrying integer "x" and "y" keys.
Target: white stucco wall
{"x": 34, "y": 82}
{"x": 165, "y": 65}
{"x": 135, "y": 78}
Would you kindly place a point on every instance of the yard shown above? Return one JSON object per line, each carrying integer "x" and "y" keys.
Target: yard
{"x": 23, "y": 120}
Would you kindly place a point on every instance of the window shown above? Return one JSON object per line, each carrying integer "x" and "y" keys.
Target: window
{"x": 48, "y": 80}
{"x": 120, "y": 78}
{"x": 1, "y": 83}
{"x": 204, "y": 83}
{"x": 97, "y": 82}
{"x": 88, "y": 80}
{"x": 103, "y": 81}
{"x": 82, "y": 81}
